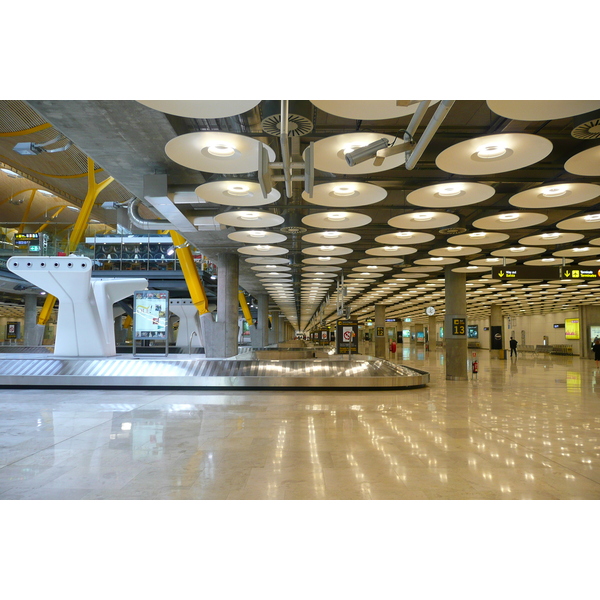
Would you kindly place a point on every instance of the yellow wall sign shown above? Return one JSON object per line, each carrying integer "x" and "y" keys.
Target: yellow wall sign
{"x": 572, "y": 329}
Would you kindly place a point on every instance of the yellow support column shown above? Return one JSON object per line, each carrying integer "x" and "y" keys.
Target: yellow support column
{"x": 244, "y": 306}
{"x": 79, "y": 228}
{"x": 190, "y": 272}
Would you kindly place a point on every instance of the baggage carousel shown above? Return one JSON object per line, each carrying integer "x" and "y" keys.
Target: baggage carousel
{"x": 123, "y": 372}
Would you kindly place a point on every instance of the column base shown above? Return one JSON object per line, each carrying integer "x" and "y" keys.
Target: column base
{"x": 456, "y": 378}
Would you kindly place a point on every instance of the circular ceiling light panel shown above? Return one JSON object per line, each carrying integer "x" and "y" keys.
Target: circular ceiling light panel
{"x": 345, "y": 194}
{"x": 321, "y": 268}
{"x": 590, "y": 263}
{"x": 435, "y": 262}
{"x": 586, "y": 163}
{"x": 263, "y": 250}
{"x": 423, "y": 220}
{"x": 270, "y": 268}
{"x": 320, "y": 275}
{"x": 553, "y": 196}
{"x": 517, "y": 251}
{"x": 367, "y": 110}
{"x": 404, "y": 237}
{"x": 265, "y": 260}
{"x": 235, "y": 193}
{"x": 471, "y": 269}
{"x": 478, "y": 237}
{"x": 577, "y": 252}
{"x": 547, "y": 262}
{"x": 381, "y": 261}
{"x": 590, "y": 221}
{"x": 257, "y": 237}
{"x": 452, "y": 251}
{"x": 217, "y": 152}
{"x": 330, "y": 153}
{"x": 492, "y": 262}
{"x": 551, "y": 238}
{"x": 336, "y": 219}
{"x": 421, "y": 271}
{"x": 324, "y": 260}
{"x": 274, "y": 275}
{"x": 201, "y": 109}
{"x": 327, "y": 250}
{"x": 363, "y": 276}
{"x": 494, "y": 154}
{"x": 391, "y": 251}
{"x": 516, "y": 220}
{"x": 366, "y": 269}
{"x": 450, "y": 194}
{"x": 331, "y": 237}
{"x": 541, "y": 110}
{"x": 249, "y": 219}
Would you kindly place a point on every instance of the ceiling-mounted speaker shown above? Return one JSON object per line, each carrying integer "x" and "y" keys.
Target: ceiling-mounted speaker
{"x": 452, "y": 230}
{"x": 587, "y": 127}
{"x": 293, "y": 224}
{"x": 299, "y": 117}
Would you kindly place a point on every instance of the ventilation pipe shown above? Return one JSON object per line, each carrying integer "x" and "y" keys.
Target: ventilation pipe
{"x": 145, "y": 224}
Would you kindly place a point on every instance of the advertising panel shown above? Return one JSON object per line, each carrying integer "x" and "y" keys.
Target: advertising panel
{"x": 572, "y": 329}
{"x": 151, "y": 315}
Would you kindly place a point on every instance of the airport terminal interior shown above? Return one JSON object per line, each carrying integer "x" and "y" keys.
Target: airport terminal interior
{"x": 299, "y": 299}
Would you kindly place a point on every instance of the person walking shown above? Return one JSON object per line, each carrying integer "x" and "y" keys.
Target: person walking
{"x": 596, "y": 349}
{"x": 513, "y": 346}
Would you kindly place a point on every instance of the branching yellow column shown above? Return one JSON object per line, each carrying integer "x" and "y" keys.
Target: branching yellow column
{"x": 190, "y": 272}
{"x": 79, "y": 228}
{"x": 245, "y": 309}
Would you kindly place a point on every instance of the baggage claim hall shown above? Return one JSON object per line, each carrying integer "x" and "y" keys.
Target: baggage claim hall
{"x": 299, "y": 300}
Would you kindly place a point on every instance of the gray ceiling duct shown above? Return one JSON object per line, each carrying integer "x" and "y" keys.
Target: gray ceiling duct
{"x": 299, "y": 117}
{"x": 586, "y": 127}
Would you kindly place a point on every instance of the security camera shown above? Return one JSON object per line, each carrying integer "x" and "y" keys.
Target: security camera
{"x": 366, "y": 152}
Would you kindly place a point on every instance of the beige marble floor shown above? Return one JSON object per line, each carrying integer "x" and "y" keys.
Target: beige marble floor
{"x": 527, "y": 428}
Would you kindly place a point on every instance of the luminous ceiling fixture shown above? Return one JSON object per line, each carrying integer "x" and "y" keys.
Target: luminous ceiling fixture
{"x": 592, "y": 218}
{"x": 238, "y": 189}
{"x": 221, "y": 150}
{"x": 344, "y": 190}
{"x": 508, "y": 217}
{"x": 326, "y": 247}
{"x": 491, "y": 151}
{"x": 363, "y": 153}
{"x": 10, "y": 173}
{"x": 451, "y": 190}
{"x": 518, "y": 249}
{"x": 336, "y": 216}
{"x": 550, "y": 236}
{"x": 390, "y": 248}
{"x": 554, "y": 192}
{"x": 423, "y": 216}
{"x": 201, "y": 109}
{"x": 324, "y": 258}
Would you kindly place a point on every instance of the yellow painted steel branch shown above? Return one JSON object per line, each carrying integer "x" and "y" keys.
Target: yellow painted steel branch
{"x": 190, "y": 272}
{"x": 79, "y": 228}
{"x": 244, "y": 305}
{"x": 26, "y": 211}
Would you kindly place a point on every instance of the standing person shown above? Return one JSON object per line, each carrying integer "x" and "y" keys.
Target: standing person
{"x": 513, "y": 346}
{"x": 596, "y": 349}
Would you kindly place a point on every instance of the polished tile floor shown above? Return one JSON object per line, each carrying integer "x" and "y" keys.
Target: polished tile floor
{"x": 526, "y": 428}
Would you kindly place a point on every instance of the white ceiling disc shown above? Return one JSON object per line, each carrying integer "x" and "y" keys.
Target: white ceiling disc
{"x": 274, "y": 275}
{"x": 260, "y": 250}
{"x": 540, "y": 262}
{"x": 480, "y": 238}
{"x": 518, "y": 251}
{"x": 323, "y": 276}
{"x": 590, "y": 263}
{"x": 331, "y": 237}
{"x": 586, "y": 163}
{"x": 492, "y": 262}
{"x": 391, "y": 251}
{"x": 345, "y": 194}
{"x": 217, "y": 152}
{"x": 541, "y": 110}
{"x": 551, "y": 238}
{"x": 340, "y": 219}
{"x": 552, "y": 196}
{"x": 497, "y": 153}
{"x": 423, "y": 220}
{"x": 201, "y": 109}
{"x": 329, "y": 153}
{"x": 323, "y": 269}
{"x": 371, "y": 269}
{"x": 252, "y": 237}
{"x": 590, "y": 221}
{"x": 266, "y": 260}
{"x": 363, "y": 276}
{"x": 382, "y": 260}
{"x": 249, "y": 219}
{"x": 367, "y": 110}
{"x": 516, "y": 220}
{"x": 471, "y": 269}
{"x": 319, "y": 261}
{"x": 594, "y": 242}
{"x": 327, "y": 250}
{"x": 450, "y": 251}
{"x": 404, "y": 237}
{"x": 271, "y": 280}
{"x": 577, "y": 252}
{"x": 434, "y": 262}
{"x": 423, "y": 270}
{"x": 450, "y": 194}
{"x": 413, "y": 273}
{"x": 235, "y": 192}
{"x": 271, "y": 268}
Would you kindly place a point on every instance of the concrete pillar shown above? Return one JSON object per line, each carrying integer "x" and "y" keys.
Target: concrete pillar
{"x": 380, "y": 340}
{"x": 221, "y": 335}
{"x": 419, "y": 328}
{"x": 432, "y": 326}
{"x": 274, "y": 331}
{"x": 33, "y": 334}
{"x": 259, "y": 332}
{"x": 455, "y": 325}
{"x": 496, "y": 327}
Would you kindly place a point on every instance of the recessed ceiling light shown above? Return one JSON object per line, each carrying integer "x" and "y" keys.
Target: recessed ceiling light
{"x": 344, "y": 190}
{"x": 452, "y": 190}
{"x": 10, "y": 173}
{"x": 221, "y": 150}
{"x": 331, "y": 234}
{"x": 324, "y": 258}
{"x": 249, "y": 216}
{"x": 390, "y": 248}
{"x": 263, "y": 248}
{"x": 491, "y": 151}
{"x": 257, "y": 234}
{"x": 554, "y": 192}
{"x": 335, "y": 216}
{"x": 492, "y": 259}
{"x": 454, "y": 248}
{"x": 427, "y": 216}
{"x": 478, "y": 234}
{"x": 404, "y": 234}
{"x": 326, "y": 248}
{"x": 591, "y": 218}
{"x": 580, "y": 249}
{"x": 438, "y": 258}
{"x": 518, "y": 249}
{"x": 508, "y": 217}
{"x": 550, "y": 236}
{"x": 548, "y": 259}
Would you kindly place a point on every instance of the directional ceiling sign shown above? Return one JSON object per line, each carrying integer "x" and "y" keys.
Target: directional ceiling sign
{"x": 579, "y": 273}
{"x": 525, "y": 272}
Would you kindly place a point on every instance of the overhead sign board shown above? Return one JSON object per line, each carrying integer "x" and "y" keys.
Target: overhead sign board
{"x": 525, "y": 272}
{"x": 579, "y": 273}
